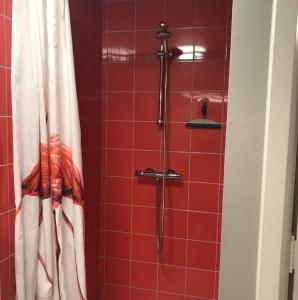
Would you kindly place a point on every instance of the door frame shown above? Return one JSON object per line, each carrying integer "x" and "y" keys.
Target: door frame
{"x": 260, "y": 151}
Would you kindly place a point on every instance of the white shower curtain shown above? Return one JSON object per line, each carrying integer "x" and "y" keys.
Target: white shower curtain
{"x": 49, "y": 233}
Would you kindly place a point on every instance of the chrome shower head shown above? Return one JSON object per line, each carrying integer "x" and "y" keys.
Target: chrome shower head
{"x": 163, "y": 33}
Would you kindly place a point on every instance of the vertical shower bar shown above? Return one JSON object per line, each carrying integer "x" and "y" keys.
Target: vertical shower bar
{"x": 164, "y": 56}
{"x": 160, "y": 120}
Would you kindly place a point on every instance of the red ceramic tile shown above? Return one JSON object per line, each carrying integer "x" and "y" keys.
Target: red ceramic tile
{"x": 211, "y": 13}
{"x": 4, "y": 233}
{"x": 229, "y": 12}
{"x": 117, "y": 271}
{"x": 174, "y": 252}
{"x": 175, "y": 223}
{"x": 8, "y": 89}
{"x": 104, "y": 52}
{"x": 9, "y": 141}
{"x": 143, "y": 248}
{"x": 12, "y": 279}
{"x": 177, "y": 195}
{"x": 8, "y": 42}
{"x": 181, "y": 76}
{"x": 144, "y": 220}
{"x": 4, "y": 182}
{"x": 11, "y": 232}
{"x": 147, "y": 76}
{"x": 119, "y": 190}
{"x": 181, "y": 44}
{"x": 2, "y": 7}
{"x": 169, "y": 296}
{"x": 119, "y": 163}
{"x": 220, "y": 200}
{"x": 8, "y": 8}
{"x": 222, "y": 168}
{"x": 119, "y": 134}
{"x": 3, "y": 105}
{"x": 206, "y": 140}
{"x": 89, "y": 106}
{"x": 118, "y": 245}
{"x": 4, "y": 279}
{"x": 209, "y": 75}
{"x": 120, "y": 46}
{"x": 92, "y": 193}
{"x": 214, "y": 106}
{"x": 91, "y": 165}
{"x": 120, "y": 77}
{"x": 218, "y": 257}
{"x": 3, "y": 141}
{"x": 138, "y": 294}
{"x": 179, "y": 107}
{"x": 228, "y": 36}
{"x": 93, "y": 223}
{"x": 210, "y": 43}
{"x": 144, "y": 192}
{"x": 201, "y": 255}
{"x": 2, "y": 39}
{"x": 178, "y": 137}
{"x": 119, "y": 106}
{"x": 11, "y": 197}
{"x": 225, "y": 108}
{"x": 216, "y": 286}
{"x": 104, "y": 75}
{"x": 203, "y": 197}
{"x": 180, "y": 13}
{"x": 147, "y": 46}
{"x": 223, "y": 138}
{"x": 146, "y": 136}
{"x": 121, "y": 15}
{"x": 146, "y": 106}
{"x": 118, "y": 217}
{"x": 200, "y": 283}
{"x": 171, "y": 279}
{"x": 202, "y": 226}
{"x": 148, "y": 14}
{"x": 180, "y": 163}
{"x": 146, "y": 159}
{"x": 144, "y": 275}
{"x": 219, "y": 228}
{"x": 88, "y": 127}
{"x": 92, "y": 261}
{"x": 205, "y": 167}
{"x": 226, "y": 75}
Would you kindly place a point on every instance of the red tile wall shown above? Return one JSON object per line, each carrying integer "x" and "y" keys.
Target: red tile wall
{"x": 131, "y": 140}
{"x": 86, "y": 32}
{"x": 7, "y": 281}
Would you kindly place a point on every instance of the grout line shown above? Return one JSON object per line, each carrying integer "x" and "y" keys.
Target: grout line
{"x": 154, "y": 290}
{"x": 156, "y": 150}
{"x": 167, "y": 208}
{"x": 133, "y": 157}
{"x": 172, "y": 29}
{"x": 166, "y": 236}
{"x": 166, "y": 265}
{"x": 105, "y": 157}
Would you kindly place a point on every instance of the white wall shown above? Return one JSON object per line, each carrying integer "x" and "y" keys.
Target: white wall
{"x": 256, "y": 192}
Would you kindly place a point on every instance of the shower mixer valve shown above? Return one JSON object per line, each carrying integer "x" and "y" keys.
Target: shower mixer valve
{"x": 151, "y": 173}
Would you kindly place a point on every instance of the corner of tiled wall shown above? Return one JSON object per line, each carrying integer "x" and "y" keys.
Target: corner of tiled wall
{"x": 7, "y": 207}
{"x": 86, "y": 32}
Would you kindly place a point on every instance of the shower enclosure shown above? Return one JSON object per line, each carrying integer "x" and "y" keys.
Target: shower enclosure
{"x": 148, "y": 97}
{"x": 120, "y": 92}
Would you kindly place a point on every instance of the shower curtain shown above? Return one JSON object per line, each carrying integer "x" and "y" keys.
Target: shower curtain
{"x": 49, "y": 232}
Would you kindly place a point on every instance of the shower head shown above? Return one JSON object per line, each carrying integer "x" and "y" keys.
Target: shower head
{"x": 163, "y": 33}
